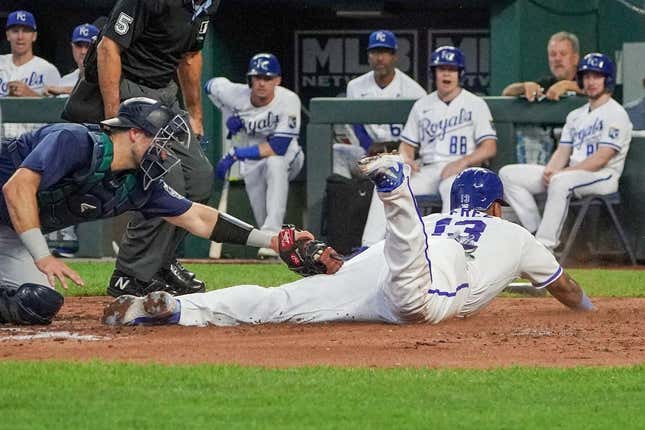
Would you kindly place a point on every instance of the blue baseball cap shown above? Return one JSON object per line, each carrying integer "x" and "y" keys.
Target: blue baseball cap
{"x": 21, "y": 17}
{"x": 84, "y": 33}
{"x": 382, "y": 39}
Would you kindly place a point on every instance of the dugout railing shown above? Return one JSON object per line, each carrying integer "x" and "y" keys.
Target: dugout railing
{"x": 506, "y": 111}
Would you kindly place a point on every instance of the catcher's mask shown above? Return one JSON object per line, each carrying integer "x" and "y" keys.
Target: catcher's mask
{"x": 154, "y": 119}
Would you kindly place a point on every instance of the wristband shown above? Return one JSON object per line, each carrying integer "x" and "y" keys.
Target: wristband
{"x": 259, "y": 239}
{"x": 35, "y": 243}
{"x": 250, "y": 152}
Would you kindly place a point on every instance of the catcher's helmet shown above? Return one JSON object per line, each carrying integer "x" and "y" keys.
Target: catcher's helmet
{"x": 382, "y": 39}
{"x": 448, "y": 56}
{"x": 141, "y": 112}
{"x": 264, "y": 64}
{"x": 476, "y": 188}
{"x": 596, "y": 62}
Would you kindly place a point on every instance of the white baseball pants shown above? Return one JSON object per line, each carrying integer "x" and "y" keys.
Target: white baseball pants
{"x": 267, "y": 185}
{"x": 425, "y": 181}
{"x": 404, "y": 278}
{"x": 523, "y": 181}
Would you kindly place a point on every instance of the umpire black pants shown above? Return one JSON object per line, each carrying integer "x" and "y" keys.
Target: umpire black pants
{"x": 149, "y": 245}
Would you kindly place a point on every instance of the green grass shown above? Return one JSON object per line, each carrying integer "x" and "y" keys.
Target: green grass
{"x": 596, "y": 282}
{"x": 97, "y": 275}
{"x": 98, "y": 395}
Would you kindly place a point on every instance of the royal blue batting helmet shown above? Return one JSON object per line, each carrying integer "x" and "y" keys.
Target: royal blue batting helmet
{"x": 264, "y": 64}
{"x": 596, "y": 62}
{"x": 382, "y": 39}
{"x": 448, "y": 56}
{"x": 476, "y": 188}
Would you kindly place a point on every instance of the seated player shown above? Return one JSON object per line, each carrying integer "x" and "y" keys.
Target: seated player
{"x": 263, "y": 121}
{"x": 589, "y": 159}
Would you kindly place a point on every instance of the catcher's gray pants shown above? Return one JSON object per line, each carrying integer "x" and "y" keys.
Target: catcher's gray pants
{"x": 149, "y": 245}
{"x": 17, "y": 267}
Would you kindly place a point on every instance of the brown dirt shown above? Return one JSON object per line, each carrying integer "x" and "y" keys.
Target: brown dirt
{"x": 530, "y": 331}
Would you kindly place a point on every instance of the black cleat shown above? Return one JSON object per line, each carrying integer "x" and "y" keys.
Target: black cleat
{"x": 122, "y": 284}
{"x": 181, "y": 282}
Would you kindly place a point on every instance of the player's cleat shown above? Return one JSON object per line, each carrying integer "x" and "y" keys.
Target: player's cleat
{"x": 266, "y": 253}
{"x": 386, "y": 171}
{"x": 122, "y": 284}
{"x": 180, "y": 281}
{"x": 155, "y": 308}
{"x": 64, "y": 252}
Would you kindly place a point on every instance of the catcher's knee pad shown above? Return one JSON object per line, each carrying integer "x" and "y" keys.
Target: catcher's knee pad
{"x": 29, "y": 304}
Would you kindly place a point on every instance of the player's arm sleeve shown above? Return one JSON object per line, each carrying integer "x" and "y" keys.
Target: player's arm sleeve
{"x": 126, "y": 22}
{"x": 288, "y": 127}
{"x": 163, "y": 201}
{"x": 538, "y": 263}
{"x": 216, "y": 88}
{"x": 617, "y": 132}
{"x": 58, "y": 155}
{"x": 410, "y": 133}
{"x": 483, "y": 119}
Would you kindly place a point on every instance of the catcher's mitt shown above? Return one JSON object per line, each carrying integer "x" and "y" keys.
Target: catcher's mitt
{"x": 305, "y": 256}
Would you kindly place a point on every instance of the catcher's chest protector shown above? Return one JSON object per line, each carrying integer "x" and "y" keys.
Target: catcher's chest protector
{"x": 347, "y": 203}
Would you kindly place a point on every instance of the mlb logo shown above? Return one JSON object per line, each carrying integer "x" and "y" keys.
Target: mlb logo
{"x": 613, "y": 132}
{"x": 292, "y": 122}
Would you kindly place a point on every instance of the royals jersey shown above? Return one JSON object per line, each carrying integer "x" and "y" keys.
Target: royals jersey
{"x": 447, "y": 131}
{"x": 608, "y": 125}
{"x": 497, "y": 252}
{"x": 401, "y": 87}
{"x": 36, "y": 73}
{"x": 280, "y": 118}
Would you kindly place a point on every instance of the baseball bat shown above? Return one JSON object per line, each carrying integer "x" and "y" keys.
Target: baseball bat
{"x": 215, "y": 251}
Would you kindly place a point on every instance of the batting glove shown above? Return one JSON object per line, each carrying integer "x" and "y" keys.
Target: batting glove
{"x": 224, "y": 165}
{"x": 234, "y": 124}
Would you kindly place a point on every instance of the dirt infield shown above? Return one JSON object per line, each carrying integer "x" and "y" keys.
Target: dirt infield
{"x": 531, "y": 331}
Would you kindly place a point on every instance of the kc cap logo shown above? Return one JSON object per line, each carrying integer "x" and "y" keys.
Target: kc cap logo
{"x": 448, "y": 56}
{"x": 22, "y": 18}
{"x": 84, "y": 31}
{"x": 263, "y": 64}
{"x": 380, "y": 36}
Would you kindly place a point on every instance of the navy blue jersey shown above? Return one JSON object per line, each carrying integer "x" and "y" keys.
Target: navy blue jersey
{"x": 59, "y": 151}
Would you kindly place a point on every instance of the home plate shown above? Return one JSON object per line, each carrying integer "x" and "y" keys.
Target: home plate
{"x": 8, "y": 334}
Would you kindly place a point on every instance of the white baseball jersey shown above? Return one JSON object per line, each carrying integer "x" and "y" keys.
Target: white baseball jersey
{"x": 447, "y": 131}
{"x": 401, "y": 87}
{"x": 70, "y": 79}
{"x": 280, "y": 118}
{"x": 36, "y": 73}
{"x": 608, "y": 125}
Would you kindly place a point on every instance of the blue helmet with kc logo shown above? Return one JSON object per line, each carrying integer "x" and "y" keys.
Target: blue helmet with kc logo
{"x": 382, "y": 39}
{"x": 600, "y": 63}
{"x": 264, "y": 64}
{"x": 476, "y": 188}
{"x": 448, "y": 56}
